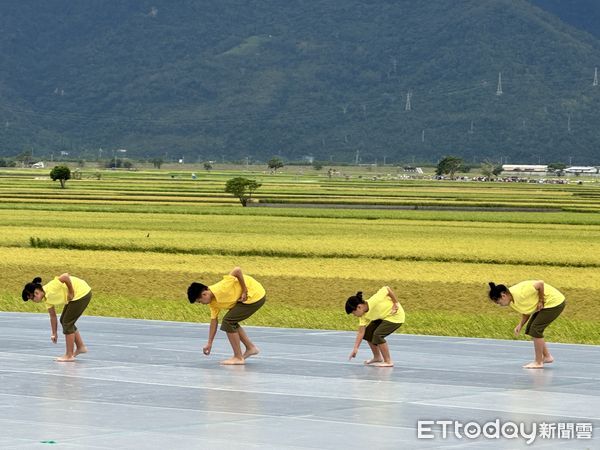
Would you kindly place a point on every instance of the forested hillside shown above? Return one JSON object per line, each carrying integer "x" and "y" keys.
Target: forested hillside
{"x": 384, "y": 80}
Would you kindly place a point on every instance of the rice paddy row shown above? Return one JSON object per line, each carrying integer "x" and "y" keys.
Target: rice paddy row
{"x": 299, "y": 237}
{"x": 307, "y": 188}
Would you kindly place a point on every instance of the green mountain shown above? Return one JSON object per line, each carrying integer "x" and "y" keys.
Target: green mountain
{"x": 381, "y": 80}
{"x": 582, "y": 14}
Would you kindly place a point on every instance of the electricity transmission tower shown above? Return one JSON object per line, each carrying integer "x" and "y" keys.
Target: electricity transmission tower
{"x": 595, "y": 83}
{"x": 407, "y": 107}
{"x": 499, "y": 89}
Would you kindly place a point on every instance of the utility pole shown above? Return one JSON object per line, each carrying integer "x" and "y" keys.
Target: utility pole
{"x": 595, "y": 83}
{"x": 423, "y": 136}
{"x": 569, "y": 122}
{"x": 356, "y": 158}
{"x": 499, "y": 89}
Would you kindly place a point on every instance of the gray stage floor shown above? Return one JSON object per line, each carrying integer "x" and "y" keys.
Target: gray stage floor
{"x": 146, "y": 384}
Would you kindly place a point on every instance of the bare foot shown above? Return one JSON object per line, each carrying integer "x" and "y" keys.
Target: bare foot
{"x": 383, "y": 364}
{"x": 80, "y": 350}
{"x": 65, "y": 358}
{"x": 233, "y": 362}
{"x": 251, "y": 352}
{"x": 373, "y": 361}
{"x": 533, "y": 365}
{"x": 548, "y": 360}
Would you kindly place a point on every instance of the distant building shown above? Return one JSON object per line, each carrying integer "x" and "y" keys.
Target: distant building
{"x": 38, "y": 165}
{"x": 412, "y": 169}
{"x": 525, "y": 168}
{"x": 582, "y": 169}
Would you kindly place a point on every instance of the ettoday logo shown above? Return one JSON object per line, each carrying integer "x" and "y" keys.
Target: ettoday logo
{"x": 443, "y": 429}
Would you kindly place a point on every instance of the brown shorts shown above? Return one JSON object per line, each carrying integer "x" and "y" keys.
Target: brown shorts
{"x": 73, "y": 311}
{"x": 541, "y": 319}
{"x": 241, "y": 311}
{"x": 377, "y": 330}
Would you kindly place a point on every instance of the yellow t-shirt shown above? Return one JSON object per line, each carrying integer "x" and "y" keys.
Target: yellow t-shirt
{"x": 56, "y": 291}
{"x": 380, "y": 307}
{"x": 525, "y": 297}
{"x": 228, "y": 291}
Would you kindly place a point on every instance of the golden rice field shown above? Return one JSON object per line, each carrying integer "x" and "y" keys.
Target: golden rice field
{"x": 300, "y": 237}
{"x": 300, "y": 185}
{"x": 140, "y": 239}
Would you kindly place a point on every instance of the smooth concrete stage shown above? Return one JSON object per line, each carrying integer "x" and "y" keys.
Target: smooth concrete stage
{"x": 147, "y": 385}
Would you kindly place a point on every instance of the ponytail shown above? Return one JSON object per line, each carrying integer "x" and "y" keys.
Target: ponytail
{"x": 496, "y": 291}
{"x": 353, "y": 302}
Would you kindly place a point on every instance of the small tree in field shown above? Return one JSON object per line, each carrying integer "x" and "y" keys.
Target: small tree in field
{"x": 449, "y": 165}
{"x": 274, "y": 164}
{"x": 60, "y": 173}
{"x": 242, "y": 188}
{"x": 558, "y": 168}
{"x": 489, "y": 169}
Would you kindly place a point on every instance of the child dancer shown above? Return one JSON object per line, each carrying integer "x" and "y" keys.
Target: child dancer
{"x": 242, "y": 296}
{"x": 72, "y": 292}
{"x": 539, "y": 304}
{"x": 379, "y": 316}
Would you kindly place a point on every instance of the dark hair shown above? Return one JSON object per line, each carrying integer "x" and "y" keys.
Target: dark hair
{"x": 30, "y": 288}
{"x": 496, "y": 291}
{"x": 195, "y": 290}
{"x": 353, "y": 302}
